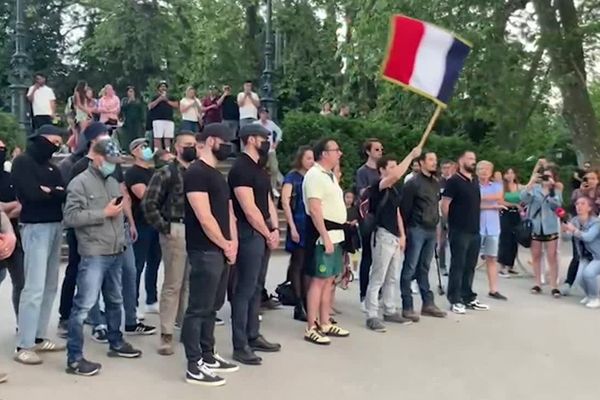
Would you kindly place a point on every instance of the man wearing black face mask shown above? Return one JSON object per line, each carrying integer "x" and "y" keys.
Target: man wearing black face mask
{"x": 212, "y": 248}
{"x": 40, "y": 190}
{"x": 257, "y": 224}
{"x": 163, "y": 206}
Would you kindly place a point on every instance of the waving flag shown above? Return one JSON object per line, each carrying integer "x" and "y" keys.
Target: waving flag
{"x": 424, "y": 58}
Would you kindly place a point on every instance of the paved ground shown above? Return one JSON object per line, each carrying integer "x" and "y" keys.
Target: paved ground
{"x": 527, "y": 348}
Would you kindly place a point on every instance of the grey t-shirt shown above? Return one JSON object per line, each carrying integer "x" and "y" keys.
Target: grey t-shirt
{"x": 365, "y": 177}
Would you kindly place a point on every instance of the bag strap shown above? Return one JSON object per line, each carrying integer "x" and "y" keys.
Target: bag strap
{"x": 539, "y": 210}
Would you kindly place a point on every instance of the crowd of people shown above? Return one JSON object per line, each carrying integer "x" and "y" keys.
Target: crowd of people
{"x": 214, "y": 235}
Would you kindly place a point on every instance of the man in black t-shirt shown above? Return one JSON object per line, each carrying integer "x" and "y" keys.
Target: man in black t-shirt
{"x": 160, "y": 111}
{"x": 211, "y": 243}
{"x": 389, "y": 241}
{"x": 461, "y": 204}
{"x": 147, "y": 247}
{"x": 257, "y": 225}
{"x": 231, "y": 112}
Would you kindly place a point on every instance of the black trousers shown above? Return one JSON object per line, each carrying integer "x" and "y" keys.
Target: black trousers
{"x": 39, "y": 120}
{"x": 365, "y": 264}
{"x": 573, "y": 266}
{"x": 464, "y": 247}
{"x": 67, "y": 292}
{"x": 252, "y": 262}
{"x": 508, "y": 245}
{"x": 209, "y": 275}
{"x": 15, "y": 268}
{"x": 296, "y": 274}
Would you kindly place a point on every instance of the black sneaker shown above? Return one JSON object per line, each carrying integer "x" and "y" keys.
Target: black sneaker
{"x": 199, "y": 374}
{"x": 83, "y": 367}
{"x": 100, "y": 335}
{"x": 140, "y": 329}
{"x": 219, "y": 364}
{"x": 497, "y": 296}
{"x": 126, "y": 351}
{"x": 476, "y": 305}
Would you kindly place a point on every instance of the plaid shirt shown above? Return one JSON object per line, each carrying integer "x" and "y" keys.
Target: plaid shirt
{"x": 163, "y": 201}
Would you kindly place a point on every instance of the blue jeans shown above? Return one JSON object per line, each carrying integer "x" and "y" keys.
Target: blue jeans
{"x": 41, "y": 245}
{"x": 96, "y": 273}
{"x": 420, "y": 245}
{"x": 129, "y": 292}
{"x": 190, "y": 126}
{"x": 589, "y": 271}
{"x": 147, "y": 254}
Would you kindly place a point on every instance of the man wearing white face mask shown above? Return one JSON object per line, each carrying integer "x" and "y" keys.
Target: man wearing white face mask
{"x": 147, "y": 247}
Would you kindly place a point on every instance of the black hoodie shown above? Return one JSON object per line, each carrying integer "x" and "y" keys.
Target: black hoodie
{"x": 30, "y": 171}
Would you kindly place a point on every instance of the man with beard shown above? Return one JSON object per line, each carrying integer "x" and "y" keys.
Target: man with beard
{"x": 257, "y": 227}
{"x": 212, "y": 249}
{"x": 420, "y": 209}
{"x": 461, "y": 203}
{"x": 163, "y": 206}
{"x": 40, "y": 190}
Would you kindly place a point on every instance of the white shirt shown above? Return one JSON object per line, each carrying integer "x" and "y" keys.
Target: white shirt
{"x": 409, "y": 177}
{"x": 248, "y": 109}
{"x": 192, "y": 113}
{"x": 273, "y": 128}
{"x": 41, "y": 100}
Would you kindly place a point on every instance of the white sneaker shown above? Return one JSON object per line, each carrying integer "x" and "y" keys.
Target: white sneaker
{"x": 584, "y": 300}
{"x": 458, "y": 308}
{"x": 363, "y": 306}
{"x": 476, "y": 305}
{"x": 595, "y": 303}
{"x": 152, "y": 308}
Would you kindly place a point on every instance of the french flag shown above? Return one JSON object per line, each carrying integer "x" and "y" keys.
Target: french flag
{"x": 424, "y": 58}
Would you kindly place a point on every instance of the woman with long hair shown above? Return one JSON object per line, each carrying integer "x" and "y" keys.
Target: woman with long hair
{"x": 191, "y": 111}
{"x": 585, "y": 229}
{"x": 509, "y": 219}
{"x": 132, "y": 111}
{"x": 83, "y": 112}
{"x": 542, "y": 196}
{"x": 295, "y": 215}
{"x": 109, "y": 106}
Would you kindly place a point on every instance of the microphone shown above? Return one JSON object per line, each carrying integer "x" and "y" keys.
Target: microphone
{"x": 562, "y": 214}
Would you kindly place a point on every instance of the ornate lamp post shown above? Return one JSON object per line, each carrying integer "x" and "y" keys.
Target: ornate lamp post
{"x": 20, "y": 70}
{"x": 267, "y": 92}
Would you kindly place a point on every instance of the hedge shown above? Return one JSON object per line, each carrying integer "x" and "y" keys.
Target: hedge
{"x": 10, "y": 132}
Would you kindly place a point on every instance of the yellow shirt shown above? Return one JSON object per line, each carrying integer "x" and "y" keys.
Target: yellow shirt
{"x": 322, "y": 184}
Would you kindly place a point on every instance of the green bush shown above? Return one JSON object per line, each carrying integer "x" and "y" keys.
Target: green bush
{"x": 10, "y": 131}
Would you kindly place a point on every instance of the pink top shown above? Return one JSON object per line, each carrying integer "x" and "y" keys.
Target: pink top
{"x": 109, "y": 108}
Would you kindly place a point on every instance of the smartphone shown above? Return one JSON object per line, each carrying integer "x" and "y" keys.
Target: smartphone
{"x": 119, "y": 200}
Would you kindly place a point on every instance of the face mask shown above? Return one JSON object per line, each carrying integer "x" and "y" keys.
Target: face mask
{"x": 223, "y": 151}
{"x": 107, "y": 168}
{"x": 2, "y": 157}
{"x": 188, "y": 154}
{"x": 147, "y": 154}
{"x": 43, "y": 148}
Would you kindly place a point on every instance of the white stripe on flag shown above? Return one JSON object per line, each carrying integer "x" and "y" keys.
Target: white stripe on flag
{"x": 430, "y": 62}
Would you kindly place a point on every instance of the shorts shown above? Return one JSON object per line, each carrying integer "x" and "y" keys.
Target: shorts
{"x": 192, "y": 126}
{"x": 544, "y": 237}
{"x": 163, "y": 129}
{"x": 328, "y": 265}
{"x": 489, "y": 245}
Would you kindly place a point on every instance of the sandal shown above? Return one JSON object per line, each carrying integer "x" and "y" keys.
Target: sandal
{"x": 536, "y": 290}
{"x": 556, "y": 293}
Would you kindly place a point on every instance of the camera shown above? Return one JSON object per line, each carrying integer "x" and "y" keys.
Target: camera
{"x": 545, "y": 178}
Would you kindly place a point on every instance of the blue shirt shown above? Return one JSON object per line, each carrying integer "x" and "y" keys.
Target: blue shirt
{"x": 489, "y": 221}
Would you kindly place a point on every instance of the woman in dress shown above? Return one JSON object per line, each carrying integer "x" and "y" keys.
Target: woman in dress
{"x": 83, "y": 111}
{"x": 295, "y": 214}
{"x": 509, "y": 219}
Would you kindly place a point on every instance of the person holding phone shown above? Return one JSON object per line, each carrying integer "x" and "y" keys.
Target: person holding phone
{"x": 92, "y": 211}
{"x": 211, "y": 243}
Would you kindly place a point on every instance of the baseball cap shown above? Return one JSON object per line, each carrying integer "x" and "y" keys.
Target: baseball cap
{"x": 254, "y": 130}
{"x": 136, "y": 143}
{"x": 215, "y": 129}
{"x": 109, "y": 150}
{"x": 94, "y": 130}
{"x": 162, "y": 83}
{"x": 49, "y": 130}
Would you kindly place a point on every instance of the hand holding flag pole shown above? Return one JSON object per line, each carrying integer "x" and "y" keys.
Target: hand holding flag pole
{"x": 424, "y": 59}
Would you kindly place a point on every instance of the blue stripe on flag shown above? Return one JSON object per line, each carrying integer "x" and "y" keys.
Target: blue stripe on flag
{"x": 455, "y": 59}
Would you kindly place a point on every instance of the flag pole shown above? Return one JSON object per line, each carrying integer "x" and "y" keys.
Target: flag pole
{"x": 432, "y": 122}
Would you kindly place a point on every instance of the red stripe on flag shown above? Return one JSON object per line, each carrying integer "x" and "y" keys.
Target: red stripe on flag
{"x": 405, "y": 40}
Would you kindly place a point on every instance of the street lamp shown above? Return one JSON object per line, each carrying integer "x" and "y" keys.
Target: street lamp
{"x": 20, "y": 71}
{"x": 267, "y": 91}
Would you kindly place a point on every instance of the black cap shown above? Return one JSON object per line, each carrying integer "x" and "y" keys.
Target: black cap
{"x": 254, "y": 129}
{"x": 216, "y": 129}
{"x": 94, "y": 130}
{"x": 109, "y": 150}
{"x": 162, "y": 83}
{"x": 49, "y": 130}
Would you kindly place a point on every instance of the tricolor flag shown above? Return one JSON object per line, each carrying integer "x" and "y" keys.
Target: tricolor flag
{"x": 424, "y": 58}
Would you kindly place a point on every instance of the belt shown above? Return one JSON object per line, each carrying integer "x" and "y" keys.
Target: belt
{"x": 176, "y": 220}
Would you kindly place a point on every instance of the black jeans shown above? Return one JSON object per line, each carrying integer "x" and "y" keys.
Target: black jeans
{"x": 67, "y": 292}
{"x": 296, "y": 274}
{"x": 464, "y": 248}
{"x": 365, "y": 264}
{"x": 15, "y": 268}
{"x": 573, "y": 266}
{"x": 208, "y": 284}
{"x": 252, "y": 261}
{"x": 147, "y": 254}
{"x": 508, "y": 245}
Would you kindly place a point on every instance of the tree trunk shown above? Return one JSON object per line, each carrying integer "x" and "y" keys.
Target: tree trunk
{"x": 569, "y": 75}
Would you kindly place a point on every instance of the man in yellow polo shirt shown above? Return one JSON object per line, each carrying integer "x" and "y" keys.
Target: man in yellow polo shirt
{"x": 324, "y": 202}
